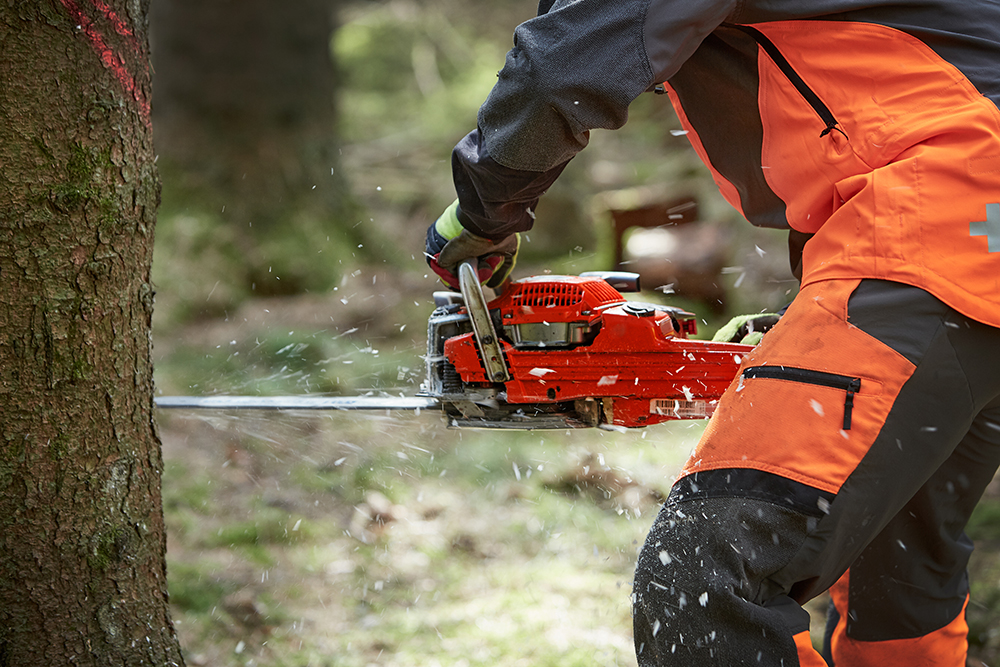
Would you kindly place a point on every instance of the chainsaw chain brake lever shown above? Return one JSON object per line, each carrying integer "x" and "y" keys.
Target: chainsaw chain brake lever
{"x": 482, "y": 325}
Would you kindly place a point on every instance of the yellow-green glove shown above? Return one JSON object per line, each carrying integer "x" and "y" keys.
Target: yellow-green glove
{"x": 448, "y": 243}
{"x": 746, "y": 329}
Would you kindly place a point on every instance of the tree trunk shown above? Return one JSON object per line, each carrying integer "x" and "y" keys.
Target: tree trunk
{"x": 82, "y": 542}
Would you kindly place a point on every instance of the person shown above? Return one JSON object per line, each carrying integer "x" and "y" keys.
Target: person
{"x": 860, "y": 433}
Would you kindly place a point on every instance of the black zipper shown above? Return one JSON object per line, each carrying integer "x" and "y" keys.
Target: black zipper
{"x": 849, "y": 384}
{"x": 793, "y": 77}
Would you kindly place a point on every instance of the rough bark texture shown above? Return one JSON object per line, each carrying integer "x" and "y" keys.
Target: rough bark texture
{"x": 82, "y": 570}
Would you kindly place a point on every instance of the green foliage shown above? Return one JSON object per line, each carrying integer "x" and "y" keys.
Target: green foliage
{"x": 307, "y": 253}
{"x": 185, "y": 490}
{"x": 985, "y": 521}
{"x": 414, "y": 77}
{"x": 411, "y": 80}
{"x": 197, "y": 266}
{"x": 194, "y": 587}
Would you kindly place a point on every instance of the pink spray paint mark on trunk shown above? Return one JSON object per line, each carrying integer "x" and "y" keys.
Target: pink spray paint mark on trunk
{"x": 120, "y": 26}
{"x": 111, "y": 60}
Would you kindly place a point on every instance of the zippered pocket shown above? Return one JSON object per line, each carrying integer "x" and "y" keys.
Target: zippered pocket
{"x": 807, "y": 93}
{"x": 851, "y": 385}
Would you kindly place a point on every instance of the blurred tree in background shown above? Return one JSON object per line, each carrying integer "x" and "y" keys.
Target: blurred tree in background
{"x": 244, "y": 116}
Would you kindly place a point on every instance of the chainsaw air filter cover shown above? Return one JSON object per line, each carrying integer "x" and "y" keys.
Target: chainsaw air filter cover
{"x": 553, "y": 311}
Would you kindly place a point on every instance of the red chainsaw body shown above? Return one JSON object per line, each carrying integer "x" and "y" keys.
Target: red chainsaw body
{"x": 573, "y": 338}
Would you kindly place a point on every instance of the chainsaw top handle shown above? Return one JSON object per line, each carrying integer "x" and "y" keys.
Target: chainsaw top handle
{"x": 482, "y": 325}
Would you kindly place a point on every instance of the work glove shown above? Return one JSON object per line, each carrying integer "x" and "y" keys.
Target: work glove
{"x": 448, "y": 243}
{"x": 746, "y": 329}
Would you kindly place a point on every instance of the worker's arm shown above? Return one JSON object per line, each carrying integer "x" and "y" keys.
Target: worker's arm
{"x": 575, "y": 67}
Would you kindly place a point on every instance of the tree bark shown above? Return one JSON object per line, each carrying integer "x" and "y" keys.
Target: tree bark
{"x": 82, "y": 541}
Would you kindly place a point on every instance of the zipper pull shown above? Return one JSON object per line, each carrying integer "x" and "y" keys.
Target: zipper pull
{"x": 832, "y": 125}
{"x": 853, "y": 387}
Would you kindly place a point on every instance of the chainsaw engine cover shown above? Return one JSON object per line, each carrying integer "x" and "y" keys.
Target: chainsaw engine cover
{"x": 579, "y": 354}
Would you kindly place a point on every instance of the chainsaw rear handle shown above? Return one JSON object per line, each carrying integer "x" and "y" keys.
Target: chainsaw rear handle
{"x": 482, "y": 325}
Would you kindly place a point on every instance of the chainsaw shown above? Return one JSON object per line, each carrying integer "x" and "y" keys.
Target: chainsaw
{"x": 550, "y": 351}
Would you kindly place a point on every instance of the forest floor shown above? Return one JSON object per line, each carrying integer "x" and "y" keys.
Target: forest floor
{"x": 324, "y": 539}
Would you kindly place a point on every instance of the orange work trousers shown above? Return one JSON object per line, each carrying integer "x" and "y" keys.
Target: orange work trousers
{"x": 850, "y": 450}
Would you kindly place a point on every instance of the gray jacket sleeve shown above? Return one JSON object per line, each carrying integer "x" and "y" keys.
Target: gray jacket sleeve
{"x": 574, "y": 68}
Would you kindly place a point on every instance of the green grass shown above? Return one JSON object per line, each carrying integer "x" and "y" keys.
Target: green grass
{"x": 481, "y": 560}
{"x": 195, "y": 587}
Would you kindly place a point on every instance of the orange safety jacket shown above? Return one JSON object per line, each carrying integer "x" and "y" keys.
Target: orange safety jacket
{"x": 872, "y": 142}
{"x": 870, "y": 128}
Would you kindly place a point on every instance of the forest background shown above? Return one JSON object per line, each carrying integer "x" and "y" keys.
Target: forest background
{"x": 303, "y": 151}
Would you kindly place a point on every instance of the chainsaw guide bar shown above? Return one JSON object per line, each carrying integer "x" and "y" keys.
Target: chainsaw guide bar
{"x": 550, "y": 352}
{"x": 297, "y": 402}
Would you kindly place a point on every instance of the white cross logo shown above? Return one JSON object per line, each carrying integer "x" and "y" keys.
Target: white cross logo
{"x": 990, "y": 228}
